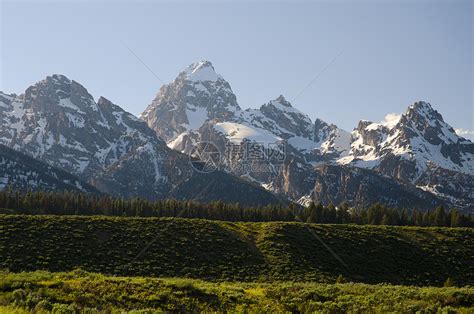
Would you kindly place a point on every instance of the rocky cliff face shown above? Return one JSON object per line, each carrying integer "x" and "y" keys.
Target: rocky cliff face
{"x": 336, "y": 184}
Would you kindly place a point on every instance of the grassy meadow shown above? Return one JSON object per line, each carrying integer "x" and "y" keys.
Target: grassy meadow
{"x": 98, "y": 264}
{"x": 79, "y": 291}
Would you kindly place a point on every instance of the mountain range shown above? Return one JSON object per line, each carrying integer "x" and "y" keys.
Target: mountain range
{"x": 268, "y": 155}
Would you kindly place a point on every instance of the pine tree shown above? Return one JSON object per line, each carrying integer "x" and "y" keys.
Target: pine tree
{"x": 449, "y": 282}
{"x": 454, "y": 219}
{"x": 440, "y": 217}
{"x": 340, "y": 279}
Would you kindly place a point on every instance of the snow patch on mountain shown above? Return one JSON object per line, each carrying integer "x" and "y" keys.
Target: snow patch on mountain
{"x": 67, "y": 103}
{"x": 196, "y": 117}
{"x": 237, "y": 133}
{"x": 201, "y": 71}
{"x": 339, "y": 142}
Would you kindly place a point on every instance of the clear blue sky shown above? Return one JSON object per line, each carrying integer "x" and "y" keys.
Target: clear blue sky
{"x": 393, "y": 53}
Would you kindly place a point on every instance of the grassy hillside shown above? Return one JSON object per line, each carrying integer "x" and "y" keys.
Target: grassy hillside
{"x": 237, "y": 251}
{"x": 91, "y": 293}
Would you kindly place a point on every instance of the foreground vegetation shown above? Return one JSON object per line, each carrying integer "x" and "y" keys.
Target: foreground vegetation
{"x": 68, "y": 203}
{"x": 226, "y": 251}
{"x": 93, "y": 293}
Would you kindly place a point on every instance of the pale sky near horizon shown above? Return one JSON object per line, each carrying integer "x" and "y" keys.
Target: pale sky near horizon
{"x": 369, "y": 58}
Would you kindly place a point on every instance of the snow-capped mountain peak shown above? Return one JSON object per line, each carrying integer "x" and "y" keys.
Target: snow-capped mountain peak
{"x": 289, "y": 120}
{"x": 201, "y": 71}
{"x": 423, "y": 119}
{"x": 421, "y": 107}
{"x": 281, "y": 100}
{"x": 196, "y": 96}
{"x": 420, "y": 134}
{"x": 418, "y": 147}
{"x": 280, "y": 103}
{"x": 59, "y": 92}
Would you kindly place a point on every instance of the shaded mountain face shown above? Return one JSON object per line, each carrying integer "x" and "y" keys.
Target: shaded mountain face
{"x": 23, "y": 172}
{"x": 58, "y": 122}
{"x": 336, "y": 184}
{"x": 416, "y": 150}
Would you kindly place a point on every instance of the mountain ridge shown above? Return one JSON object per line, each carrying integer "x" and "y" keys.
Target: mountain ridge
{"x": 58, "y": 122}
{"x": 403, "y": 148}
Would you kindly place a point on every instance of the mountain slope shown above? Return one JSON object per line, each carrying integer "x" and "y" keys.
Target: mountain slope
{"x": 24, "y": 173}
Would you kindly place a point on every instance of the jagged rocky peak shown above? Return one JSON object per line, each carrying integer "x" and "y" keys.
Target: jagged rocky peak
{"x": 421, "y": 114}
{"x": 419, "y": 148}
{"x": 372, "y": 134}
{"x": 421, "y": 129}
{"x": 289, "y": 120}
{"x": 105, "y": 104}
{"x": 421, "y": 119}
{"x": 363, "y": 124}
{"x": 280, "y": 103}
{"x": 282, "y": 100}
{"x": 57, "y": 92}
{"x": 197, "y": 95}
{"x": 424, "y": 108}
{"x": 332, "y": 142}
{"x": 56, "y": 79}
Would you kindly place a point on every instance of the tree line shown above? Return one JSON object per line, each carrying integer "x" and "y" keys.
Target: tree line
{"x": 71, "y": 203}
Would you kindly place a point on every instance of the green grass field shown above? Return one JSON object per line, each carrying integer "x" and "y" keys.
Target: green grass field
{"x": 93, "y": 293}
{"x": 244, "y": 252}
